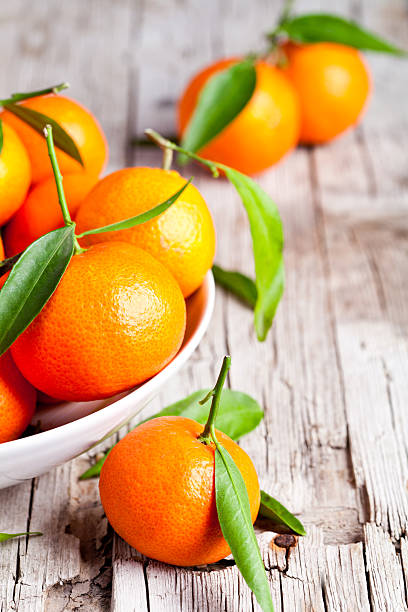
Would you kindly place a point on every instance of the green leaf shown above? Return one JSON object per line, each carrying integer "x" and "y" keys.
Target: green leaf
{"x": 238, "y": 414}
{"x": 18, "y": 97}
{"x": 325, "y": 27}
{"x": 1, "y": 136}
{"x": 222, "y": 98}
{"x": 235, "y": 282}
{"x": 271, "y": 509}
{"x": 9, "y": 536}
{"x": 267, "y": 243}
{"x": 32, "y": 281}
{"x": 38, "y": 121}
{"x": 138, "y": 219}
{"x": 234, "y": 515}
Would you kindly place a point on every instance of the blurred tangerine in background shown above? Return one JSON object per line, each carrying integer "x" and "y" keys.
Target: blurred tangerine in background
{"x": 333, "y": 83}
{"x": 263, "y": 132}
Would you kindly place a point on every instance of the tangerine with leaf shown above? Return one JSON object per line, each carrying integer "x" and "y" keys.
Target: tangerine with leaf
{"x": 265, "y": 130}
{"x": 116, "y": 318}
{"x": 158, "y": 492}
{"x": 78, "y": 123}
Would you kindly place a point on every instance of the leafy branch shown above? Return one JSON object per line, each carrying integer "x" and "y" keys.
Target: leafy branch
{"x": 267, "y": 238}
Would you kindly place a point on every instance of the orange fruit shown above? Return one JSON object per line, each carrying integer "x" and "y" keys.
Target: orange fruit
{"x": 182, "y": 238}
{"x": 263, "y": 132}
{"x": 157, "y": 490}
{"x": 17, "y": 400}
{"x": 41, "y": 212}
{"x": 15, "y": 173}
{"x": 116, "y": 318}
{"x": 333, "y": 83}
{"x": 80, "y": 125}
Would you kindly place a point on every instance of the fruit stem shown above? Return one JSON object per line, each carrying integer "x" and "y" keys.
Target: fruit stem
{"x": 208, "y": 434}
{"x": 18, "y": 97}
{"x": 163, "y": 143}
{"x": 274, "y": 35}
{"x": 58, "y": 181}
{"x": 167, "y": 158}
{"x": 165, "y": 146}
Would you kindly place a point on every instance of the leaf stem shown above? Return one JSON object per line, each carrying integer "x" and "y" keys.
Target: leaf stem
{"x": 286, "y": 11}
{"x": 18, "y": 97}
{"x": 8, "y": 536}
{"x": 58, "y": 181}
{"x": 163, "y": 143}
{"x": 208, "y": 434}
{"x": 274, "y": 35}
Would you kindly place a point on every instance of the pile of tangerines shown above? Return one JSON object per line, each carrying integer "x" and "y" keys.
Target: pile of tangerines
{"x": 118, "y": 315}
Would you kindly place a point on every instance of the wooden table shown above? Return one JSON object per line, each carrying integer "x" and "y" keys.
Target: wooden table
{"x": 332, "y": 376}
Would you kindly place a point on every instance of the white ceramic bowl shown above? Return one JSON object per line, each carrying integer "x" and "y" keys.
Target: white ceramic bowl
{"x": 73, "y": 428}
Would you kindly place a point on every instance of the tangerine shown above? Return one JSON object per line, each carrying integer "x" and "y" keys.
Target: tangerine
{"x": 17, "y": 400}
{"x": 333, "y": 83}
{"x": 116, "y": 318}
{"x": 157, "y": 490}
{"x": 77, "y": 121}
{"x": 15, "y": 173}
{"x": 263, "y": 132}
{"x": 182, "y": 238}
{"x": 41, "y": 212}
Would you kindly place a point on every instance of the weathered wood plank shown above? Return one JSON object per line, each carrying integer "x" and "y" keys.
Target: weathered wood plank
{"x": 344, "y": 585}
{"x": 368, "y": 299}
{"x": 55, "y": 556}
{"x": 387, "y": 591}
{"x": 14, "y": 511}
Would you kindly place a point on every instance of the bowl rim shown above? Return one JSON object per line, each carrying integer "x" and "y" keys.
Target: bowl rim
{"x": 142, "y": 392}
